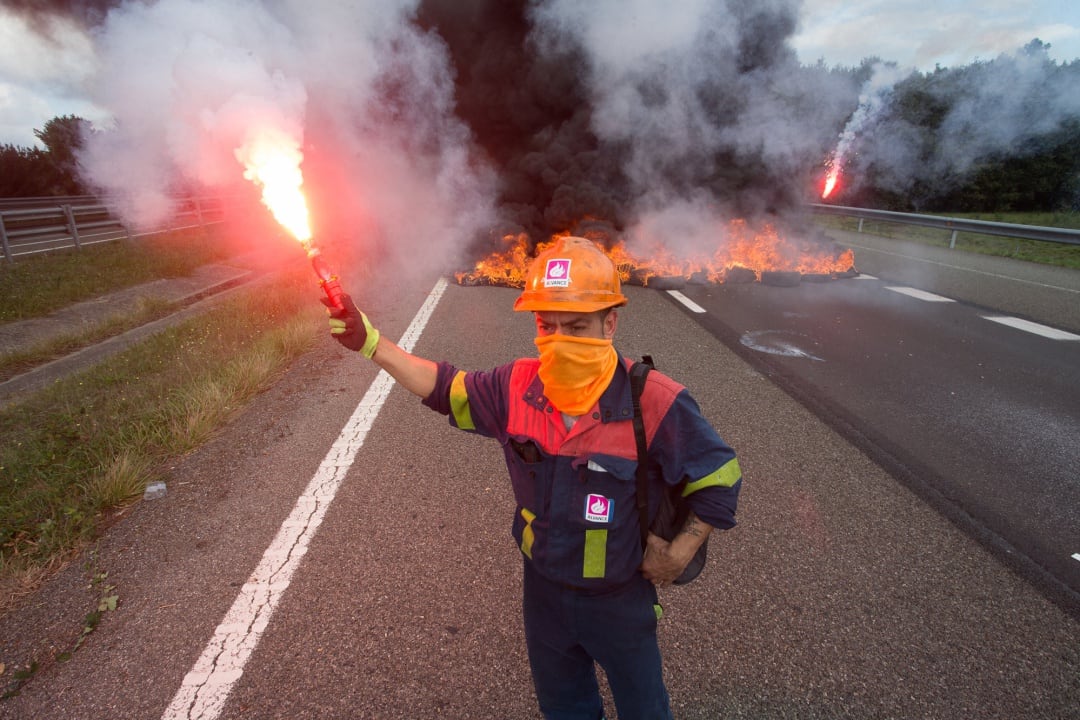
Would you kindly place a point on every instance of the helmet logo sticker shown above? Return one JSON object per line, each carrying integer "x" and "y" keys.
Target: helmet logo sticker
{"x": 599, "y": 509}
{"x": 557, "y": 273}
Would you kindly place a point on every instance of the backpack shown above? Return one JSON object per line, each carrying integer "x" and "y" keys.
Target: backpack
{"x": 673, "y": 506}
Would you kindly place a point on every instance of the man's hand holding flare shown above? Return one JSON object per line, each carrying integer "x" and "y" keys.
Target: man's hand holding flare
{"x": 351, "y": 328}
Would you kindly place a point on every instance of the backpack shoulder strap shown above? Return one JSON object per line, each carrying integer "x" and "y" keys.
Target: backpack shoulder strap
{"x": 638, "y": 372}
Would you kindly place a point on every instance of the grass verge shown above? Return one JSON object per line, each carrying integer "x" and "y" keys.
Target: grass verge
{"x": 88, "y": 445}
{"x": 1047, "y": 253}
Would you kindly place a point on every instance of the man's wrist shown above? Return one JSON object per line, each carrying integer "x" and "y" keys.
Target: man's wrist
{"x": 371, "y": 339}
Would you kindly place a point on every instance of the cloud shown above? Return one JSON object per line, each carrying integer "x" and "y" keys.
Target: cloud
{"x": 947, "y": 33}
{"x": 44, "y": 66}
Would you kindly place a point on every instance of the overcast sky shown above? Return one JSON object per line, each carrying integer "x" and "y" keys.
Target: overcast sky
{"x": 924, "y": 33}
{"x": 41, "y": 79}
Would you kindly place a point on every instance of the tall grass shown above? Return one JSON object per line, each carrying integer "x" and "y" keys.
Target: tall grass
{"x": 91, "y": 443}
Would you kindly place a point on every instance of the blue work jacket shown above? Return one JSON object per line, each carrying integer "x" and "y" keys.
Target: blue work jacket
{"x": 576, "y": 518}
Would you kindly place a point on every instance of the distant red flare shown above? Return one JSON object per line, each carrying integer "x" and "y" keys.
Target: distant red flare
{"x": 830, "y": 181}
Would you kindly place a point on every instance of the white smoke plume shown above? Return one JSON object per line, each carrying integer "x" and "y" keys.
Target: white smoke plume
{"x": 1005, "y": 102}
{"x": 364, "y": 94}
{"x": 873, "y": 100}
{"x": 990, "y": 109}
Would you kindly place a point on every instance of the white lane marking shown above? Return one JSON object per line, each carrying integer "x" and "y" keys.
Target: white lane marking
{"x": 965, "y": 269}
{"x": 864, "y": 276}
{"x": 920, "y": 294}
{"x": 1032, "y": 327}
{"x": 1076, "y": 556}
{"x": 690, "y": 304}
{"x": 207, "y": 686}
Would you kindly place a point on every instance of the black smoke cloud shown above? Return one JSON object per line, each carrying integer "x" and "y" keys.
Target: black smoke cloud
{"x": 528, "y": 108}
{"x": 620, "y": 111}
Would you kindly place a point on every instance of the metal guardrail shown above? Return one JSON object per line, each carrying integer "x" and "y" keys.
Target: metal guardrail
{"x": 956, "y": 225}
{"x": 36, "y": 225}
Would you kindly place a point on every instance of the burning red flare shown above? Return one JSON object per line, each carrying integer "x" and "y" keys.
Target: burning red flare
{"x": 272, "y": 161}
{"x": 831, "y": 178}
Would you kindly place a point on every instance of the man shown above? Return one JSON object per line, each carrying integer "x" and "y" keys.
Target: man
{"x": 565, "y": 422}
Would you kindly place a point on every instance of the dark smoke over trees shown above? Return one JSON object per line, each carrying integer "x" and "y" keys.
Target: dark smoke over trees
{"x": 997, "y": 135}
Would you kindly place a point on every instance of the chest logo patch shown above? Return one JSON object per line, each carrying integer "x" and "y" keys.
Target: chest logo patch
{"x": 599, "y": 509}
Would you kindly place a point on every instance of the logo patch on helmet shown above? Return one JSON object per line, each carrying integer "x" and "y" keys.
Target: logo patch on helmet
{"x": 599, "y": 509}
{"x": 557, "y": 273}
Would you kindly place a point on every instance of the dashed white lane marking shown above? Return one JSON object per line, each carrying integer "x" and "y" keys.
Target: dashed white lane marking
{"x": 965, "y": 269}
{"x": 207, "y": 686}
{"x": 690, "y": 304}
{"x": 1032, "y": 327}
{"x": 920, "y": 294}
{"x": 1076, "y": 556}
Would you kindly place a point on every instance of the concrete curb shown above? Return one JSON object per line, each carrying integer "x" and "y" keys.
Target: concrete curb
{"x": 191, "y": 299}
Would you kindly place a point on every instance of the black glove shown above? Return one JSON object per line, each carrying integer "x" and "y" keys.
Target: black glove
{"x": 351, "y": 328}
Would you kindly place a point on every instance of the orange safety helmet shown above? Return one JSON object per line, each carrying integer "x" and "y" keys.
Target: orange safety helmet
{"x": 572, "y": 276}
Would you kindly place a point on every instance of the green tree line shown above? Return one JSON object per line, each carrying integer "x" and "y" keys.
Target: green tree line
{"x": 53, "y": 171}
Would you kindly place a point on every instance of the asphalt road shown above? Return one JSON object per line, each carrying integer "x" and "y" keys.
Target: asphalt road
{"x": 841, "y": 594}
{"x": 980, "y": 418}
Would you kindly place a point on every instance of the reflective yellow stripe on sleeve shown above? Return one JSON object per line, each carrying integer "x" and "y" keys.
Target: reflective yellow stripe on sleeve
{"x": 459, "y": 402}
{"x": 725, "y": 476}
{"x": 595, "y": 554}
{"x": 527, "y": 534}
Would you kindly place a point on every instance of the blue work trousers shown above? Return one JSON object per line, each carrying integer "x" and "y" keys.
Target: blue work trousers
{"x": 569, "y": 630}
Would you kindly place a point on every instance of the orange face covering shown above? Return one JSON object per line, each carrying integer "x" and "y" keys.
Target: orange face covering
{"x": 575, "y": 371}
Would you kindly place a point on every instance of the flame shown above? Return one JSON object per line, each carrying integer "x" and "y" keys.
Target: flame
{"x": 272, "y": 161}
{"x": 831, "y": 178}
{"x": 740, "y": 252}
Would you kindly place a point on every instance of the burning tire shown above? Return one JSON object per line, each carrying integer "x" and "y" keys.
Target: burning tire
{"x": 778, "y": 278}
{"x": 739, "y": 274}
